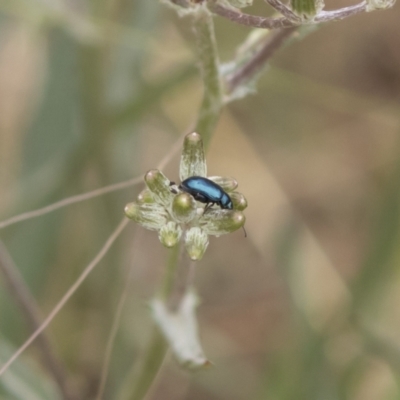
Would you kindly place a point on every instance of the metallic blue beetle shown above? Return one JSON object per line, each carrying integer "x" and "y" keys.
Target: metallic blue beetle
{"x": 206, "y": 191}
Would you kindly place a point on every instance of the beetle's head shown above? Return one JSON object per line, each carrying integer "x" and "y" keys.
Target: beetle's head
{"x": 226, "y": 202}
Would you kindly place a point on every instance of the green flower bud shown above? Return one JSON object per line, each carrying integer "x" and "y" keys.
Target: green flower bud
{"x": 238, "y": 200}
{"x": 196, "y": 242}
{"x": 158, "y": 184}
{"x": 193, "y": 162}
{"x": 150, "y": 215}
{"x": 219, "y": 222}
{"x": 131, "y": 210}
{"x": 145, "y": 196}
{"x": 307, "y": 8}
{"x": 228, "y": 184}
{"x": 373, "y": 5}
{"x": 170, "y": 234}
{"x": 184, "y": 207}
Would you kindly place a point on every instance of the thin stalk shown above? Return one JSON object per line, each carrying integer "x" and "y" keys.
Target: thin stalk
{"x": 246, "y": 72}
{"x": 88, "y": 195}
{"x": 282, "y": 22}
{"x": 212, "y": 102}
{"x": 167, "y": 285}
{"x": 150, "y": 368}
{"x": 284, "y": 10}
{"x": 23, "y": 297}
{"x": 103, "y": 251}
{"x": 248, "y": 20}
{"x": 182, "y": 282}
{"x": 157, "y": 347}
{"x": 115, "y": 326}
{"x": 70, "y": 200}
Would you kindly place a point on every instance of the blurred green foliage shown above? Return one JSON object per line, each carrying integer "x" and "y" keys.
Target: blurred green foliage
{"x": 96, "y": 92}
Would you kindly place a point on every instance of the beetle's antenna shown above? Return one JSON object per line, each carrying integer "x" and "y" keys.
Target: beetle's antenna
{"x": 245, "y": 233}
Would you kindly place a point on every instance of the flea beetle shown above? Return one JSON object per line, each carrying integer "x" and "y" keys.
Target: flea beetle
{"x": 206, "y": 191}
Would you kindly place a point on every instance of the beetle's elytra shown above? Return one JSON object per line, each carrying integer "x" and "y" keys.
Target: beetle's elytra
{"x": 206, "y": 191}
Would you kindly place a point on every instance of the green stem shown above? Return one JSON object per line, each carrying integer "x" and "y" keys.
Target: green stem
{"x": 167, "y": 285}
{"x": 246, "y": 71}
{"x": 155, "y": 355}
{"x": 209, "y": 113}
{"x": 212, "y": 102}
{"x": 157, "y": 347}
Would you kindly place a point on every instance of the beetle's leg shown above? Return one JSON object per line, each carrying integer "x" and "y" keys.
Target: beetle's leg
{"x": 208, "y": 206}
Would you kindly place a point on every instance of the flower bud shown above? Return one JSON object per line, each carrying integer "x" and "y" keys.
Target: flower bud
{"x": 228, "y": 184}
{"x": 150, "y": 215}
{"x": 184, "y": 207}
{"x": 307, "y": 8}
{"x": 196, "y": 242}
{"x": 193, "y": 161}
{"x": 170, "y": 234}
{"x": 373, "y": 5}
{"x": 158, "y": 184}
{"x": 145, "y": 196}
{"x": 238, "y": 200}
{"x": 219, "y": 222}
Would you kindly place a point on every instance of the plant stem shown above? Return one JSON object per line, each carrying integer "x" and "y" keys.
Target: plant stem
{"x": 73, "y": 288}
{"x": 167, "y": 285}
{"x": 282, "y": 22}
{"x": 155, "y": 355}
{"x": 342, "y": 13}
{"x": 274, "y": 42}
{"x": 212, "y": 102}
{"x": 284, "y": 10}
{"x": 157, "y": 347}
{"x": 20, "y": 292}
{"x": 248, "y": 20}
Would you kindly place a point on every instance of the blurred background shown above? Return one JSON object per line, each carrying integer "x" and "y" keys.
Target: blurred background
{"x": 305, "y": 307}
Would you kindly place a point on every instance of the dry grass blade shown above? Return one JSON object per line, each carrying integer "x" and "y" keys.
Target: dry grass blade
{"x": 68, "y": 294}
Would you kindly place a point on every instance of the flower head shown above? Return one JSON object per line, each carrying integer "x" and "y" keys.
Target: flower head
{"x": 175, "y": 211}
